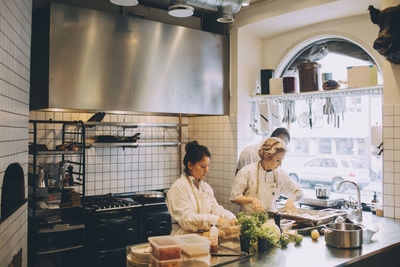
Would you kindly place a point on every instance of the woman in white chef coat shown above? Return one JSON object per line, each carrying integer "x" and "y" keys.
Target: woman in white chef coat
{"x": 191, "y": 200}
{"x": 257, "y": 186}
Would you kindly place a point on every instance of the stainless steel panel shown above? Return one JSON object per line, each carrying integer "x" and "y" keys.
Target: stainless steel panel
{"x": 101, "y": 61}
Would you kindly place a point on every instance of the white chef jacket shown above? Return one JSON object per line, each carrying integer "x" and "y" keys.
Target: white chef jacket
{"x": 249, "y": 155}
{"x": 245, "y": 184}
{"x": 183, "y": 206}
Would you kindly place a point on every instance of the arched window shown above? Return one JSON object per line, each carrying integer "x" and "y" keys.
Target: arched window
{"x": 343, "y": 145}
{"x": 334, "y": 54}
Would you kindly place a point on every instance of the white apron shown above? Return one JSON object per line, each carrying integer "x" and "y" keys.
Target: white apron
{"x": 202, "y": 206}
{"x": 266, "y": 192}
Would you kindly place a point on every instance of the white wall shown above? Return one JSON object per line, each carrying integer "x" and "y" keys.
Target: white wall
{"x": 15, "y": 42}
{"x": 391, "y": 133}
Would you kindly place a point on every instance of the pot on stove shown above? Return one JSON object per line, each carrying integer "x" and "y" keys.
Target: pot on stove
{"x": 322, "y": 192}
{"x": 148, "y": 196}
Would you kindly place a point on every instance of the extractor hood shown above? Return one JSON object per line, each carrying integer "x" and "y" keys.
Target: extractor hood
{"x": 89, "y": 60}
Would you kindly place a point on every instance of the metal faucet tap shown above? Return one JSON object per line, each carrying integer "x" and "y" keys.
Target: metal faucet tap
{"x": 358, "y": 210}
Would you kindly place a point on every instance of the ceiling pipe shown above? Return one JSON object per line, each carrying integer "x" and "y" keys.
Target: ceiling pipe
{"x": 225, "y": 8}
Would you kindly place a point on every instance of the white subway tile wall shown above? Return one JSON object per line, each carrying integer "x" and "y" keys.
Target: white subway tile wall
{"x": 15, "y": 41}
{"x": 219, "y": 134}
{"x": 117, "y": 169}
{"x": 391, "y": 160}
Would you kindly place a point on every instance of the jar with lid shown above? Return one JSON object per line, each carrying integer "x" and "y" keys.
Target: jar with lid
{"x": 309, "y": 76}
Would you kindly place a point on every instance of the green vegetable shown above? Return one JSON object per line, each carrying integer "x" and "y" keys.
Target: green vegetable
{"x": 298, "y": 239}
{"x": 285, "y": 239}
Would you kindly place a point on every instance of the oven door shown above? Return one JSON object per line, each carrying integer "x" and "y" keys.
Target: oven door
{"x": 156, "y": 221}
{"x": 112, "y": 257}
{"x": 116, "y": 232}
{"x": 113, "y": 229}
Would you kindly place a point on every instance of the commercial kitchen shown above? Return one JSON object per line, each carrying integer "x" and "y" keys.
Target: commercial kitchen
{"x": 98, "y": 99}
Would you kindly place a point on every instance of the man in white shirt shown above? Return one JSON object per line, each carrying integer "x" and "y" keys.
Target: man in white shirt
{"x": 250, "y": 153}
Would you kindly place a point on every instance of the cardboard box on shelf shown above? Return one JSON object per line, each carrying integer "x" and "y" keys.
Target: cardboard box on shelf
{"x": 362, "y": 76}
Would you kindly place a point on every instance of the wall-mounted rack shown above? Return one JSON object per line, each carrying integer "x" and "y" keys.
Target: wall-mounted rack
{"x": 133, "y": 125}
{"x": 373, "y": 90}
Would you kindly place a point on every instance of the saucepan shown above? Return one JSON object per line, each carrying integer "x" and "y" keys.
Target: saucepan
{"x": 343, "y": 235}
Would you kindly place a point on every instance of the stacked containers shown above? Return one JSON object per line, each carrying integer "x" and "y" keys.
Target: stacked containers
{"x": 195, "y": 250}
{"x": 166, "y": 252}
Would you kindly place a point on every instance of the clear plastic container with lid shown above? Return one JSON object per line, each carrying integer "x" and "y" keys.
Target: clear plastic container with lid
{"x": 154, "y": 262}
{"x": 194, "y": 245}
{"x": 165, "y": 247}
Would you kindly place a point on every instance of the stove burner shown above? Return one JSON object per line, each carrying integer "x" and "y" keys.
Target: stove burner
{"x": 108, "y": 202}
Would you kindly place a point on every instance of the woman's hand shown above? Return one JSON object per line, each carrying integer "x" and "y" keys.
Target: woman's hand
{"x": 257, "y": 205}
{"x": 234, "y": 221}
{"x": 222, "y": 222}
{"x": 290, "y": 207}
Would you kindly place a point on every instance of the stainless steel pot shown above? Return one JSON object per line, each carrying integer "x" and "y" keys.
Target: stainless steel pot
{"x": 343, "y": 235}
{"x": 322, "y": 192}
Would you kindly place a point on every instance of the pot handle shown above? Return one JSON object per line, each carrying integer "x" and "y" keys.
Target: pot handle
{"x": 326, "y": 230}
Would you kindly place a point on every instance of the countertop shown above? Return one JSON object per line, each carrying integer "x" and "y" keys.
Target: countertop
{"x": 317, "y": 253}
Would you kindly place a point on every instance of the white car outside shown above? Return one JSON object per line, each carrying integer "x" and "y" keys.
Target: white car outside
{"x": 331, "y": 170}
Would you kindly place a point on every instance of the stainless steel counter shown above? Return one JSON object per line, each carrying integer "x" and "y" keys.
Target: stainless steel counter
{"x": 317, "y": 253}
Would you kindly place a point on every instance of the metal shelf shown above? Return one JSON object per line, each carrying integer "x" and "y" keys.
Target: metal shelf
{"x": 133, "y": 125}
{"x": 135, "y": 144}
{"x": 373, "y": 90}
{"x": 56, "y": 152}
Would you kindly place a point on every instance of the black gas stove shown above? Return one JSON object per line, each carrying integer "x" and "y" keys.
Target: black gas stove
{"x": 109, "y": 202}
{"x": 114, "y": 221}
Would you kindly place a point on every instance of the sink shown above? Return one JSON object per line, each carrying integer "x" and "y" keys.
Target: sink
{"x": 343, "y": 235}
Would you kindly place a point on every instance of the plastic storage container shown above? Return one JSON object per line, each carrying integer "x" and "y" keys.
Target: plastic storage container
{"x": 165, "y": 247}
{"x": 194, "y": 245}
{"x": 214, "y": 239}
{"x": 154, "y": 262}
{"x": 196, "y": 262}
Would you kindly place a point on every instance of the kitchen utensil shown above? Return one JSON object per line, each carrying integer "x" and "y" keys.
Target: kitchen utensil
{"x": 310, "y": 113}
{"x": 343, "y": 235}
{"x": 322, "y": 191}
{"x": 309, "y": 76}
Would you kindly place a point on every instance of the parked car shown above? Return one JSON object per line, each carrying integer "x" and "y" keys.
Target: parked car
{"x": 331, "y": 170}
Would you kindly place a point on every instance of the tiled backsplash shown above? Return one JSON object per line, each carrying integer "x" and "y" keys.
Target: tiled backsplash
{"x": 219, "y": 134}
{"x": 15, "y": 41}
{"x": 117, "y": 169}
{"x": 391, "y": 160}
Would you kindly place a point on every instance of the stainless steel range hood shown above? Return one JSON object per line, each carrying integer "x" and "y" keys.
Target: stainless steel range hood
{"x": 84, "y": 59}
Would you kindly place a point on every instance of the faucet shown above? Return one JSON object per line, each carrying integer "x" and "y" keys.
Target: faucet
{"x": 358, "y": 210}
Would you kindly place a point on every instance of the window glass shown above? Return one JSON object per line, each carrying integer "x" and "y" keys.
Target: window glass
{"x": 345, "y": 164}
{"x": 341, "y": 145}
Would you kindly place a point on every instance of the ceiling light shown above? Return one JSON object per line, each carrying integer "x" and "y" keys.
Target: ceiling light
{"x": 180, "y": 11}
{"x": 125, "y": 2}
{"x": 245, "y": 2}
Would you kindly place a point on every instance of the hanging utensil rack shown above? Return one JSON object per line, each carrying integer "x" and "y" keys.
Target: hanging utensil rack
{"x": 374, "y": 90}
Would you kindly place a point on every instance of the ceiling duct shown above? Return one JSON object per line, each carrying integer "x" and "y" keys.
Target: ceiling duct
{"x": 225, "y": 8}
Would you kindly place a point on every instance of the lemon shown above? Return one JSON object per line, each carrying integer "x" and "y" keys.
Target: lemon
{"x": 298, "y": 239}
{"x": 285, "y": 239}
{"x": 314, "y": 234}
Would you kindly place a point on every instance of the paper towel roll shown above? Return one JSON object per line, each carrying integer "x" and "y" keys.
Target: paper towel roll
{"x": 275, "y": 86}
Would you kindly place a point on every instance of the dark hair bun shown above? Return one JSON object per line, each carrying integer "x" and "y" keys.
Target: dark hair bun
{"x": 191, "y": 145}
